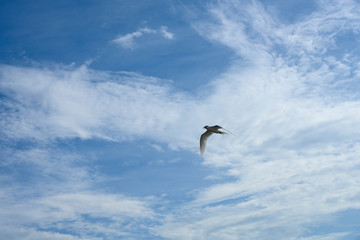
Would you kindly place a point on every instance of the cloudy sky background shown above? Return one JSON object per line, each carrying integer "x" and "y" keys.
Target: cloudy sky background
{"x": 103, "y": 104}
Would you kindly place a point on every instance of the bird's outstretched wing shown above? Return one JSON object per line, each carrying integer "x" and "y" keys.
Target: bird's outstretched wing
{"x": 227, "y": 131}
{"x": 217, "y": 127}
{"x": 203, "y": 140}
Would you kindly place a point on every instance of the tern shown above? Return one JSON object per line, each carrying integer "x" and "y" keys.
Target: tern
{"x": 210, "y": 130}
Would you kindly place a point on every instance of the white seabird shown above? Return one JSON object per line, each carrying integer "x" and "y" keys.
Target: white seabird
{"x": 209, "y": 130}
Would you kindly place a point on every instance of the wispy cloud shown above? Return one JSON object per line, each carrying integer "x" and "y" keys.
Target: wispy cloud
{"x": 128, "y": 40}
{"x": 81, "y": 215}
{"x": 295, "y": 154}
{"x": 293, "y": 107}
{"x": 166, "y": 34}
{"x": 82, "y": 103}
{"x": 53, "y": 196}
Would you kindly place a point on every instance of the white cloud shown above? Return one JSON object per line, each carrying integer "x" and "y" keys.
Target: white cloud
{"x": 9, "y": 232}
{"x": 127, "y": 41}
{"x": 333, "y": 236}
{"x": 49, "y": 193}
{"x": 82, "y": 215}
{"x": 293, "y": 108}
{"x": 53, "y": 196}
{"x": 94, "y": 204}
{"x": 83, "y": 103}
{"x": 295, "y": 156}
{"x": 166, "y": 34}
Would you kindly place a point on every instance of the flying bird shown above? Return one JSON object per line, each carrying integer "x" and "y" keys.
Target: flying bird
{"x": 210, "y": 130}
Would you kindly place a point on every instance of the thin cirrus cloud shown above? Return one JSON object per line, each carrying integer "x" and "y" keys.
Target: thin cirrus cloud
{"x": 82, "y": 103}
{"x": 55, "y": 189}
{"x": 292, "y": 105}
{"x": 54, "y": 192}
{"x": 296, "y": 153}
{"x": 85, "y": 214}
{"x": 128, "y": 41}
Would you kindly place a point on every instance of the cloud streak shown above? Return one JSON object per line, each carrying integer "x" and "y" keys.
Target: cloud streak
{"x": 127, "y": 41}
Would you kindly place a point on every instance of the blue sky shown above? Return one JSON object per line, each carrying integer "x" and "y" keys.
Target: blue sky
{"x": 103, "y": 104}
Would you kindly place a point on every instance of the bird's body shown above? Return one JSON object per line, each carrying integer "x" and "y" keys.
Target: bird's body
{"x": 209, "y": 131}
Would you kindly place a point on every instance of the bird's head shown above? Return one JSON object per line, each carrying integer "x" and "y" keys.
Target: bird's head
{"x": 206, "y": 126}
